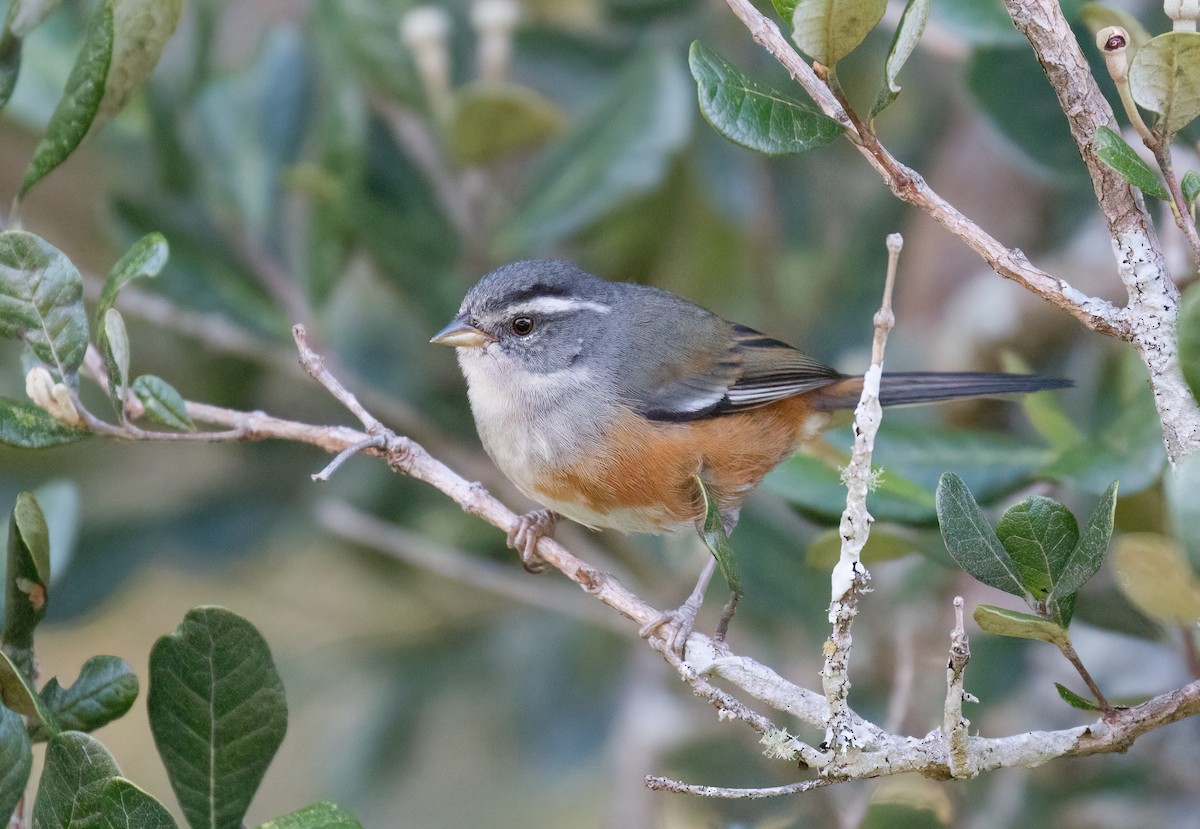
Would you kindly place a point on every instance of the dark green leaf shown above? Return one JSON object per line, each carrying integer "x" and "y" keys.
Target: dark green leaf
{"x": 1019, "y": 625}
{"x": 717, "y": 540}
{"x": 1189, "y": 338}
{"x": 16, "y": 760}
{"x": 490, "y": 121}
{"x": 17, "y": 695}
{"x": 145, "y": 258}
{"x": 124, "y": 806}
{"x": 1164, "y": 77}
{"x": 41, "y": 301}
{"x": 623, "y": 150}
{"x": 1039, "y": 533}
{"x": 908, "y": 34}
{"x": 27, "y": 426}
{"x": 828, "y": 30}
{"x": 218, "y": 713}
{"x": 1074, "y": 700}
{"x": 753, "y": 114}
{"x": 970, "y": 539}
{"x": 141, "y": 29}
{"x": 81, "y": 99}
{"x": 1190, "y": 184}
{"x": 26, "y": 583}
{"x": 104, "y": 691}
{"x": 69, "y": 792}
{"x": 10, "y": 61}
{"x": 163, "y": 403}
{"x": 322, "y": 815}
{"x": 1119, "y": 156}
{"x": 1088, "y": 555}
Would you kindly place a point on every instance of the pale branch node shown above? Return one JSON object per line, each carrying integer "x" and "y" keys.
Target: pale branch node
{"x": 1148, "y": 320}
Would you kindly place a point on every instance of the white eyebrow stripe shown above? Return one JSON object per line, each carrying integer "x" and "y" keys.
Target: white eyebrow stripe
{"x": 559, "y": 305}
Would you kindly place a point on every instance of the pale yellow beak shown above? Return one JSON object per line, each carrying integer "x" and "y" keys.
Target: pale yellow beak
{"x": 461, "y": 334}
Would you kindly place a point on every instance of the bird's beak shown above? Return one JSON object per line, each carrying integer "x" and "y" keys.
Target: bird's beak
{"x": 461, "y": 334}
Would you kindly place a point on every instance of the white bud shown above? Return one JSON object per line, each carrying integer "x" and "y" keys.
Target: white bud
{"x": 1183, "y": 13}
{"x": 55, "y": 398}
{"x": 425, "y": 30}
{"x": 494, "y": 22}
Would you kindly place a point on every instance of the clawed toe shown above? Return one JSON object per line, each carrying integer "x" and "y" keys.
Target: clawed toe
{"x": 530, "y": 528}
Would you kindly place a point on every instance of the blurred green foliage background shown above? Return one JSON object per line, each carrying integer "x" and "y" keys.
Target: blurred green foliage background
{"x": 302, "y": 171}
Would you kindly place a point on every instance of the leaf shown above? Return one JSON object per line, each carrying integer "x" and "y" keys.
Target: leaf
{"x": 786, "y": 8}
{"x": 16, "y": 760}
{"x": 1189, "y": 338}
{"x": 124, "y": 806}
{"x": 16, "y": 695}
{"x": 1190, "y": 184}
{"x": 1120, "y": 157}
{"x": 217, "y": 712}
{"x": 717, "y": 540}
{"x": 163, "y": 403}
{"x": 27, "y": 426}
{"x": 140, "y": 31}
{"x": 1181, "y": 489}
{"x": 1074, "y": 700}
{"x": 1154, "y": 575}
{"x": 1003, "y": 622}
{"x": 114, "y": 347}
{"x": 146, "y": 257}
{"x": 10, "y": 61}
{"x": 105, "y": 690}
{"x": 1164, "y": 77}
{"x": 1085, "y": 560}
{"x": 41, "y": 301}
{"x": 828, "y": 30}
{"x": 825, "y": 550}
{"x": 1040, "y": 534}
{"x": 81, "y": 99}
{"x": 489, "y": 121}
{"x": 752, "y": 114}
{"x": 623, "y": 150}
{"x": 323, "y": 815}
{"x": 28, "y": 575}
{"x": 69, "y": 792}
{"x": 970, "y": 539}
{"x": 815, "y": 487}
{"x": 908, "y": 34}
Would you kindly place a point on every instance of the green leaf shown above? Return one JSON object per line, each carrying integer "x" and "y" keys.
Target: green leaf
{"x": 1085, "y": 560}
{"x": 10, "y": 61}
{"x": 41, "y": 301}
{"x": 217, "y": 712}
{"x": 786, "y": 9}
{"x": 1164, "y": 77}
{"x": 814, "y": 486}
{"x": 622, "y": 151}
{"x": 81, "y": 99}
{"x": 828, "y": 30}
{"x": 27, "y": 426}
{"x": 322, "y": 815}
{"x": 1040, "y": 534}
{"x": 27, "y": 578}
{"x": 163, "y": 403}
{"x": 1181, "y": 489}
{"x": 752, "y": 114}
{"x": 1074, "y": 700}
{"x": 1096, "y": 16}
{"x": 146, "y": 257}
{"x": 140, "y": 31}
{"x": 1190, "y": 184}
{"x": 826, "y": 549}
{"x": 69, "y": 792}
{"x": 114, "y": 347}
{"x": 1154, "y": 575}
{"x": 717, "y": 540}
{"x": 1120, "y": 157}
{"x": 490, "y": 121}
{"x": 16, "y": 760}
{"x": 104, "y": 691}
{"x": 1003, "y": 622}
{"x": 970, "y": 539}
{"x": 908, "y": 34}
{"x": 17, "y": 695}
{"x": 1189, "y": 338}
{"x": 124, "y": 806}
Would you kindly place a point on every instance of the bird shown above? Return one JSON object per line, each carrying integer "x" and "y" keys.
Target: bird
{"x": 612, "y": 404}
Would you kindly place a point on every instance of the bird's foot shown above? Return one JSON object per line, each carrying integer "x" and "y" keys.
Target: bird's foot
{"x": 673, "y": 626}
{"x": 524, "y": 537}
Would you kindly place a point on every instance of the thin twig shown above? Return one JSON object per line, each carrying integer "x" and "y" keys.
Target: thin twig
{"x": 954, "y": 724}
{"x": 666, "y": 784}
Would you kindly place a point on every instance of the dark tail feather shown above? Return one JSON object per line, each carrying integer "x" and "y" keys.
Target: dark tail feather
{"x": 908, "y": 387}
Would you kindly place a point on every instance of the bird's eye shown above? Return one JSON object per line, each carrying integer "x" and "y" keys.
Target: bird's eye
{"x": 522, "y": 326}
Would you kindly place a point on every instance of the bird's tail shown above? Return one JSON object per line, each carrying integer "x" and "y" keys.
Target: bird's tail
{"x": 909, "y": 387}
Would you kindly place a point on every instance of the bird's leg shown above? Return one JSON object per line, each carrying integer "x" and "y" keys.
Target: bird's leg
{"x": 683, "y": 619}
{"x": 727, "y": 617}
{"x": 524, "y": 536}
